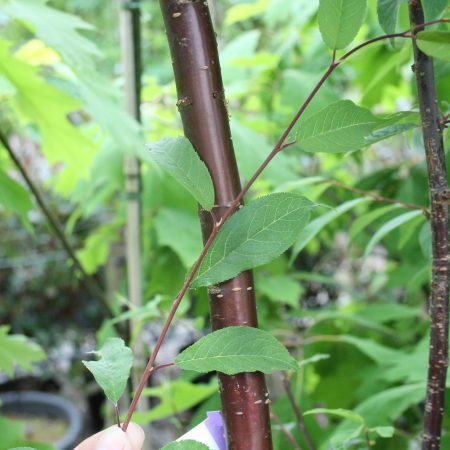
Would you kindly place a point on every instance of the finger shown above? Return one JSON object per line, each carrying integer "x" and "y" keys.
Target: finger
{"x": 90, "y": 442}
{"x": 136, "y": 436}
{"x": 113, "y": 438}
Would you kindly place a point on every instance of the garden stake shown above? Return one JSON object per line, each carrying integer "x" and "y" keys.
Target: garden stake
{"x": 130, "y": 39}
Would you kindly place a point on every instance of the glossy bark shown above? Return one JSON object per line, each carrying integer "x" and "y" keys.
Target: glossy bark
{"x": 203, "y": 109}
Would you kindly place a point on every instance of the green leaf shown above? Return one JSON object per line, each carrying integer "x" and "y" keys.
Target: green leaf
{"x": 377, "y": 352}
{"x": 11, "y": 431}
{"x": 385, "y": 312}
{"x": 39, "y": 103}
{"x": 384, "y": 432}
{"x": 252, "y": 149}
{"x": 102, "y": 102}
{"x": 313, "y": 359}
{"x": 392, "y": 125}
{"x": 386, "y": 406}
{"x": 15, "y": 199}
{"x": 175, "y": 397}
{"x": 25, "y": 443}
{"x": 351, "y": 428}
{"x": 58, "y": 29}
{"x": 435, "y": 44}
{"x": 434, "y": 8}
{"x": 340, "y": 21}
{"x": 313, "y": 229}
{"x": 245, "y": 11}
{"x": 388, "y": 227}
{"x": 188, "y": 444}
{"x": 180, "y": 231}
{"x": 339, "y": 412}
{"x": 113, "y": 368}
{"x": 302, "y": 82}
{"x": 351, "y": 316}
{"x": 237, "y": 349}
{"x": 425, "y": 240}
{"x": 343, "y": 126}
{"x": 22, "y": 448}
{"x": 388, "y": 14}
{"x": 253, "y": 236}
{"x": 148, "y": 311}
{"x": 348, "y": 431}
{"x": 368, "y": 219}
{"x": 409, "y": 367}
{"x": 96, "y": 247}
{"x": 279, "y": 288}
{"x": 17, "y": 349}
{"x": 179, "y": 159}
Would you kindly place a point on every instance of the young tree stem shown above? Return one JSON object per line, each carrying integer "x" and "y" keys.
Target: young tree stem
{"x": 438, "y": 186}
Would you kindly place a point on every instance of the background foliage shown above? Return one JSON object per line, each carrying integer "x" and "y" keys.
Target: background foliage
{"x": 355, "y": 284}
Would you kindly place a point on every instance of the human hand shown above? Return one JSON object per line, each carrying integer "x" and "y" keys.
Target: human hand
{"x": 113, "y": 438}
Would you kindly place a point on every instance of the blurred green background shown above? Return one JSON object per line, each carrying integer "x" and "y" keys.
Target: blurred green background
{"x": 356, "y": 292}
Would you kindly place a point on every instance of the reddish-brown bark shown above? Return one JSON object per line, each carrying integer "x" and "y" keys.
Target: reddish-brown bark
{"x": 202, "y": 106}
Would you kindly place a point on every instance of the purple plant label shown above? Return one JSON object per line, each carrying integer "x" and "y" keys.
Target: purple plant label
{"x": 210, "y": 432}
{"x": 214, "y": 423}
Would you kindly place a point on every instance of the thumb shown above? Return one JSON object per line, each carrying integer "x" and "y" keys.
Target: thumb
{"x": 113, "y": 438}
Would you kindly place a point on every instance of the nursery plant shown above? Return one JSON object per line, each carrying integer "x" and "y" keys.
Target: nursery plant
{"x": 276, "y": 219}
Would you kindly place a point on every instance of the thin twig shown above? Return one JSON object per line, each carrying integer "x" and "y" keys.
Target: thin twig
{"x": 285, "y": 431}
{"x": 405, "y": 34}
{"x": 234, "y": 205}
{"x": 117, "y": 413}
{"x": 53, "y": 221}
{"x": 162, "y": 366}
{"x": 377, "y": 197}
{"x": 298, "y": 414}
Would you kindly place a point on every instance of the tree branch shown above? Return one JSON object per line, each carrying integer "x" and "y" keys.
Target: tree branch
{"x": 438, "y": 186}
{"x": 379, "y": 198}
{"x": 290, "y": 437}
{"x": 56, "y": 227}
{"x": 298, "y": 414}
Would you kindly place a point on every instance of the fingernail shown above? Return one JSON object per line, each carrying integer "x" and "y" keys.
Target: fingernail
{"x": 112, "y": 439}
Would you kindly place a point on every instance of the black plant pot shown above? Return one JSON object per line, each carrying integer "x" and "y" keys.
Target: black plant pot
{"x": 42, "y": 404}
